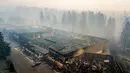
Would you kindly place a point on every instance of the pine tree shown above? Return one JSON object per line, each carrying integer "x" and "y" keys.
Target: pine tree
{"x": 82, "y": 23}
{"x": 110, "y": 28}
{"x": 1, "y": 21}
{"x": 41, "y": 17}
{"x": 54, "y": 20}
{"x": 91, "y": 18}
{"x": 74, "y": 20}
{"x": 125, "y": 34}
{"x": 100, "y": 19}
{"x": 69, "y": 17}
{"x": 4, "y": 47}
{"x": 64, "y": 18}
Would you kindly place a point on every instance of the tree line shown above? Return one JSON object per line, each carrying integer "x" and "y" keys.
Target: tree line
{"x": 4, "y": 47}
{"x": 85, "y": 21}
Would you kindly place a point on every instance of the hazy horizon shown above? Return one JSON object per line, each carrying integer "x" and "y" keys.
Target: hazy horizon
{"x": 100, "y": 5}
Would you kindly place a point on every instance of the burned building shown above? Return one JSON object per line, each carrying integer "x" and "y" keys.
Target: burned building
{"x": 76, "y": 53}
{"x": 68, "y": 43}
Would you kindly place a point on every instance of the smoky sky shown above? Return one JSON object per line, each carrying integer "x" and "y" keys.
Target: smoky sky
{"x": 112, "y": 5}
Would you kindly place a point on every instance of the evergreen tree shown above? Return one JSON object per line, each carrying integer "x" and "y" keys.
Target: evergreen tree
{"x": 1, "y": 21}
{"x": 100, "y": 19}
{"x": 91, "y": 18}
{"x": 74, "y": 20}
{"x": 54, "y": 20}
{"x": 41, "y": 17}
{"x": 83, "y": 21}
{"x": 69, "y": 17}
{"x": 125, "y": 34}
{"x": 110, "y": 28}
{"x": 4, "y": 47}
{"x": 64, "y": 18}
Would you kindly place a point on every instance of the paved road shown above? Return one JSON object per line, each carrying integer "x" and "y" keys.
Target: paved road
{"x": 22, "y": 63}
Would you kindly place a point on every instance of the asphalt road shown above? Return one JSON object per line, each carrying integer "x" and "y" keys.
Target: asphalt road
{"x": 22, "y": 63}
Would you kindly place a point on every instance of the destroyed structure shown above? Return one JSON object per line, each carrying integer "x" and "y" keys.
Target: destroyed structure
{"x": 75, "y": 53}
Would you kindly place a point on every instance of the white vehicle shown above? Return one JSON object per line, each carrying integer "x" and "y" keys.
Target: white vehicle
{"x": 36, "y": 64}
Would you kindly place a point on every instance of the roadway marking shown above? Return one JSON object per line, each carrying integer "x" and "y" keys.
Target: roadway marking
{"x": 24, "y": 55}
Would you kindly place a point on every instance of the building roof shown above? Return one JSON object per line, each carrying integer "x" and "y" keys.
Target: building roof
{"x": 65, "y": 42}
{"x": 70, "y": 42}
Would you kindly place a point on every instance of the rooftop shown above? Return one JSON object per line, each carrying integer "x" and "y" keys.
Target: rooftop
{"x": 69, "y": 42}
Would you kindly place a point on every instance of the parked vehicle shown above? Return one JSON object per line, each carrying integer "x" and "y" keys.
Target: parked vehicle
{"x": 36, "y": 64}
